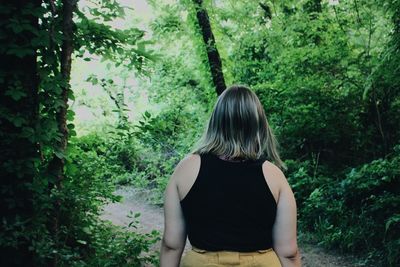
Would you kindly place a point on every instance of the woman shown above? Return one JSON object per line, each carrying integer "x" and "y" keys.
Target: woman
{"x": 235, "y": 206}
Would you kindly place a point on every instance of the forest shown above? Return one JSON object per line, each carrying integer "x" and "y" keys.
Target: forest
{"x": 99, "y": 95}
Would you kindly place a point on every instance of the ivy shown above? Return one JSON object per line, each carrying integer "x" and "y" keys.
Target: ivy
{"x": 49, "y": 221}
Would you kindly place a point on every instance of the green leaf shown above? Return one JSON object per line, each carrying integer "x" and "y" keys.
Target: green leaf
{"x": 71, "y": 169}
{"x": 15, "y": 94}
{"x": 71, "y": 94}
{"x": 147, "y": 114}
{"x": 17, "y": 121}
{"x": 70, "y": 115}
{"x": 86, "y": 230}
{"x": 72, "y": 133}
{"x": 70, "y": 126}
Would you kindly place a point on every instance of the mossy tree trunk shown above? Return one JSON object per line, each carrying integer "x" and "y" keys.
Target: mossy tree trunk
{"x": 57, "y": 163}
{"x": 19, "y": 154}
{"x": 214, "y": 58}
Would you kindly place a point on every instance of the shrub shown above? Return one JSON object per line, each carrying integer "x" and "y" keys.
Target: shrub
{"x": 357, "y": 214}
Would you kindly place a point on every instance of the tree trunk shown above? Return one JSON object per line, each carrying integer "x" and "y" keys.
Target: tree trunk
{"x": 214, "y": 59}
{"x": 56, "y": 166}
{"x": 19, "y": 107}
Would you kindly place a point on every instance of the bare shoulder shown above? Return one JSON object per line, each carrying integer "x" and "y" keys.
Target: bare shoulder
{"x": 271, "y": 170}
{"x": 190, "y": 158}
{"x": 190, "y": 161}
{"x": 186, "y": 173}
{"x": 275, "y": 178}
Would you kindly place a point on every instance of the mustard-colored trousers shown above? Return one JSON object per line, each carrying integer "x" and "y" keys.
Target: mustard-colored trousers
{"x": 201, "y": 258}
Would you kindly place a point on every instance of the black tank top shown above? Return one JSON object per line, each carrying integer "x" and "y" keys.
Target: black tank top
{"x": 229, "y": 206}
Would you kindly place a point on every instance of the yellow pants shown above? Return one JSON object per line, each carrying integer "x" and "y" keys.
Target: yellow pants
{"x": 199, "y": 258}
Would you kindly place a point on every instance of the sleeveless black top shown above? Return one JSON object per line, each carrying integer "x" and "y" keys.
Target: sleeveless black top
{"x": 229, "y": 206}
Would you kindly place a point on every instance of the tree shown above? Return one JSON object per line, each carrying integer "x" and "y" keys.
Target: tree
{"x": 38, "y": 41}
{"x": 214, "y": 58}
{"x": 18, "y": 121}
{"x": 57, "y": 163}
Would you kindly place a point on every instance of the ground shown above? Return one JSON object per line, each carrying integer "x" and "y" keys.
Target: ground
{"x": 152, "y": 219}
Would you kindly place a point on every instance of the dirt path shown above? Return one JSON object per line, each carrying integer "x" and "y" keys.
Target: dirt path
{"x": 152, "y": 219}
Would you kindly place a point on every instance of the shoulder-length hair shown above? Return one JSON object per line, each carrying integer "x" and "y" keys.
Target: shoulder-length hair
{"x": 238, "y": 128}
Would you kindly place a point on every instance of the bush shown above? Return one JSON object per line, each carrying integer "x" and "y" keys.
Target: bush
{"x": 87, "y": 240}
{"x": 357, "y": 214}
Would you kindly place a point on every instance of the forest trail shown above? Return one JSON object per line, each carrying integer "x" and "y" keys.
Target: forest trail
{"x": 152, "y": 219}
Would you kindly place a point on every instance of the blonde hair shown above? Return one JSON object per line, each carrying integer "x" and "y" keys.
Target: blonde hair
{"x": 238, "y": 128}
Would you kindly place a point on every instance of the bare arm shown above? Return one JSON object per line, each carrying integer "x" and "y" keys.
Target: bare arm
{"x": 174, "y": 238}
{"x": 285, "y": 228}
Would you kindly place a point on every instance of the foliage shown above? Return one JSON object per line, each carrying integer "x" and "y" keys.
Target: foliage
{"x": 52, "y": 219}
{"x": 121, "y": 46}
{"x": 358, "y": 212}
{"x": 122, "y": 248}
{"x": 326, "y": 74}
{"x": 101, "y": 244}
{"x": 88, "y": 240}
{"x": 322, "y": 74}
{"x": 313, "y": 86}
